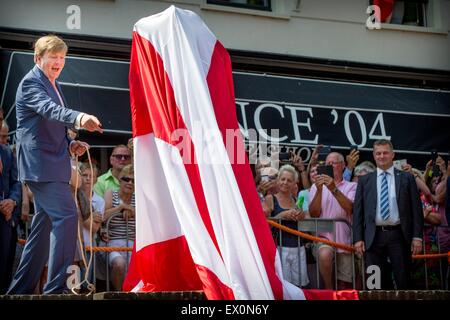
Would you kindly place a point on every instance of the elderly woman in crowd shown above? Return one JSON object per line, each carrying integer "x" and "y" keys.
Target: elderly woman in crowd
{"x": 282, "y": 205}
{"x": 362, "y": 169}
{"x": 120, "y": 212}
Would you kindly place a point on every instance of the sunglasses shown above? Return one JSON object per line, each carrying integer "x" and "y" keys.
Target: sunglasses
{"x": 121, "y": 156}
{"x": 126, "y": 179}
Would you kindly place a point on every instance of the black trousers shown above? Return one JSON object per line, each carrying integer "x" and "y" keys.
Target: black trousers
{"x": 391, "y": 244}
{"x": 8, "y": 240}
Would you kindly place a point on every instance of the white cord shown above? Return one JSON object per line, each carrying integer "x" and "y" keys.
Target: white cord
{"x": 90, "y": 286}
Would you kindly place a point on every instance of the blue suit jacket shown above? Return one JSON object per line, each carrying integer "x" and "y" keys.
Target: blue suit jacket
{"x": 42, "y": 122}
{"x": 365, "y": 207}
{"x": 10, "y": 187}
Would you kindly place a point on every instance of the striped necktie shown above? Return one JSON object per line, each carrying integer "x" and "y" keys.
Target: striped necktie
{"x": 384, "y": 197}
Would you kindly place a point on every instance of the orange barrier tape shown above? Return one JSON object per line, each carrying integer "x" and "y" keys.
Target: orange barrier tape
{"x": 310, "y": 237}
{"x": 96, "y": 249}
{"x": 432, "y": 256}
{"x": 346, "y": 247}
{"x": 279, "y": 226}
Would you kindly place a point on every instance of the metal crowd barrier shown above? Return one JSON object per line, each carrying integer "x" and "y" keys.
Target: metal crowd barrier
{"x": 317, "y": 226}
{"x": 312, "y": 225}
{"x": 444, "y": 280}
{"x": 107, "y": 231}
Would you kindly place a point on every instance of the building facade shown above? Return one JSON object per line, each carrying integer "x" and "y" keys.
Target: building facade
{"x": 321, "y": 71}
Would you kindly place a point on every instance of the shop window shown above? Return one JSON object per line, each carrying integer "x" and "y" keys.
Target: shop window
{"x": 406, "y": 12}
{"x": 247, "y": 4}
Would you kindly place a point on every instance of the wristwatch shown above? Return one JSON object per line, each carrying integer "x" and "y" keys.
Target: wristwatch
{"x": 335, "y": 190}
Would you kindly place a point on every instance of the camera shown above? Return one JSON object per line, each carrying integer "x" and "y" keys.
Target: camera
{"x": 434, "y": 155}
{"x": 326, "y": 170}
{"x": 436, "y": 171}
{"x": 284, "y": 157}
{"x": 398, "y": 164}
{"x": 323, "y": 153}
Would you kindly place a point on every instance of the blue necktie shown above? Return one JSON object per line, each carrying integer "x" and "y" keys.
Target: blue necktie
{"x": 384, "y": 197}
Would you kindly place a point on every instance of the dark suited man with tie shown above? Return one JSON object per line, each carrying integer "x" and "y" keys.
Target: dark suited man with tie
{"x": 388, "y": 218}
{"x": 43, "y": 149}
{"x": 10, "y": 196}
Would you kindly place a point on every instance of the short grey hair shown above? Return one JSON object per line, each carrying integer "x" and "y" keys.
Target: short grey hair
{"x": 363, "y": 167}
{"x": 339, "y": 155}
{"x": 288, "y": 168}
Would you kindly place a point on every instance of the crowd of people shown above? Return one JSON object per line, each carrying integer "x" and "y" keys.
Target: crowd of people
{"x": 387, "y": 209}
{"x": 388, "y": 213}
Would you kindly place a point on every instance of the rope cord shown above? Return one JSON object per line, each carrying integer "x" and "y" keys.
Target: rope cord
{"x": 108, "y": 249}
{"x": 90, "y": 286}
{"x": 310, "y": 237}
{"x": 347, "y": 247}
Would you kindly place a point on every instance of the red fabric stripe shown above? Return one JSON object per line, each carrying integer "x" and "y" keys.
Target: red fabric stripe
{"x": 220, "y": 83}
{"x": 140, "y": 118}
{"x": 315, "y": 294}
{"x": 133, "y": 277}
{"x": 386, "y": 8}
{"x": 173, "y": 279}
{"x": 153, "y": 99}
{"x": 212, "y": 286}
{"x": 167, "y": 266}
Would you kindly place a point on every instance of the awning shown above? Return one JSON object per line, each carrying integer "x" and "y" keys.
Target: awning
{"x": 306, "y": 111}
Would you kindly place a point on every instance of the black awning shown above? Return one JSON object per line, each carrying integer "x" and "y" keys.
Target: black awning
{"x": 306, "y": 111}
{"x": 337, "y": 113}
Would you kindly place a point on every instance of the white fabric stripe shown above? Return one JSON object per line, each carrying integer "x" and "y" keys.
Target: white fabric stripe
{"x": 156, "y": 218}
{"x": 138, "y": 286}
{"x": 174, "y": 189}
{"x": 183, "y": 46}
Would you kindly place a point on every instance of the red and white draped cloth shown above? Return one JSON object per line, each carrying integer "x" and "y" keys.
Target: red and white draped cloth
{"x": 199, "y": 221}
{"x": 386, "y": 9}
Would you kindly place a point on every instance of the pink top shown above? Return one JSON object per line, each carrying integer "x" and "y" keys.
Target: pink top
{"x": 331, "y": 209}
{"x": 443, "y": 230}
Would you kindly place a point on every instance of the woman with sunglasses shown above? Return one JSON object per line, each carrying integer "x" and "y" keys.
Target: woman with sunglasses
{"x": 119, "y": 214}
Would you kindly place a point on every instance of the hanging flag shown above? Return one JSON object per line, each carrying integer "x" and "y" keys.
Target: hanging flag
{"x": 199, "y": 221}
{"x": 386, "y": 9}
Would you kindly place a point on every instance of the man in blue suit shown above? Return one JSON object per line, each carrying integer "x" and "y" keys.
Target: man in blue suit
{"x": 44, "y": 164}
{"x": 388, "y": 218}
{"x": 10, "y": 197}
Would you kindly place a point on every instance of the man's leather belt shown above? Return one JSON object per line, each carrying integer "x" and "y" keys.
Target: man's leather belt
{"x": 388, "y": 228}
